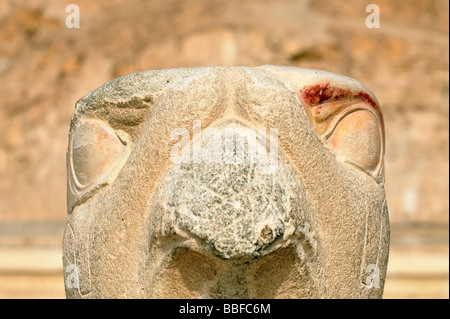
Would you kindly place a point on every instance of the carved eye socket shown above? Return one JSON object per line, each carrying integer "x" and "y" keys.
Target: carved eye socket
{"x": 356, "y": 137}
{"x": 96, "y": 154}
{"x": 349, "y": 123}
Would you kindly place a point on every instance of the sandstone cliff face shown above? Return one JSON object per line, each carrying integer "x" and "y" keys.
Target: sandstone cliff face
{"x": 45, "y": 67}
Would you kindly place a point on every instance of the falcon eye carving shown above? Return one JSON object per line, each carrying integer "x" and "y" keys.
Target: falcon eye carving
{"x": 357, "y": 137}
{"x": 96, "y": 155}
{"x": 349, "y": 123}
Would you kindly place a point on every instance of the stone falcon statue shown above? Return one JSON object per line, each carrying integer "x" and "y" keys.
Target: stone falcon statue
{"x": 226, "y": 182}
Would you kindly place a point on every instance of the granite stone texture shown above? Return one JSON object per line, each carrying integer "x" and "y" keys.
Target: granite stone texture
{"x": 227, "y": 182}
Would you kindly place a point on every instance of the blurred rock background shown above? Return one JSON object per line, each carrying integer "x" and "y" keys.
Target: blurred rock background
{"x": 45, "y": 67}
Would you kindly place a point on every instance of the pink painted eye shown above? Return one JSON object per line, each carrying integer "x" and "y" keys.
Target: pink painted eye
{"x": 349, "y": 123}
{"x": 96, "y": 155}
{"x": 357, "y": 138}
{"x": 96, "y": 149}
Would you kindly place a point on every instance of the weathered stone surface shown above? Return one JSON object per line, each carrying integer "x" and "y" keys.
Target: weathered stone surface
{"x": 153, "y": 215}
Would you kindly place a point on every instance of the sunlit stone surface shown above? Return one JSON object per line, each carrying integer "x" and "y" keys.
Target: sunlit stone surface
{"x": 227, "y": 182}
